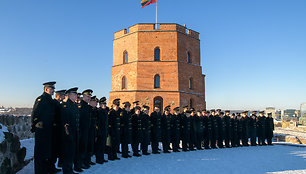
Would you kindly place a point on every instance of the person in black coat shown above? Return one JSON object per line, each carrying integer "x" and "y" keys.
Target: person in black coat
{"x": 155, "y": 119}
{"x": 165, "y": 125}
{"x": 42, "y": 119}
{"x": 228, "y": 129}
{"x": 102, "y": 132}
{"x": 70, "y": 125}
{"x": 198, "y": 130}
{"x": 269, "y": 128}
{"x": 261, "y": 125}
{"x": 146, "y": 130}
{"x": 57, "y": 132}
{"x": 221, "y": 126}
{"x": 125, "y": 129}
{"x": 207, "y": 132}
{"x": 192, "y": 143}
{"x": 185, "y": 126}
{"x": 215, "y": 129}
{"x": 252, "y": 128}
{"x": 135, "y": 103}
{"x": 136, "y": 131}
{"x": 85, "y": 111}
{"x": 175, "y": 129}
{"x": 234, "y": 122}
{"x": 92, "y": 130}
{"x": 114, "y": 130}
{"x": 245, "y": 128}
{"x": 240, "y": 129}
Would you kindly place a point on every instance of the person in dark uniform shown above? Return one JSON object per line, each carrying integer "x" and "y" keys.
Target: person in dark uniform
{"x": 102, "y": 132}
{"x": 175, "y": 129}
{"x": 125, "y": 129}
{"x": 114, "y": 130}
{"x": 192, "y": 143}
{"x": 155, "y": 119}
{"x": 269, "y": 128}
{"x": 207, "y": 129}
{"x": 70, "y": 124}
{"x": 240, "y": 129}
{"x": 146, "y": 130}
{"x": 185, "y": 109}
{"x": 228, "y": 129}
{"x": 42, "y": 119}
{"x": 56, "y": 133}
{"x": 215, "y": 130}
{"x": 245, "y": 128}
{"x": 85, "y": 111}
{"x": 252, "y": 128}
{"x": 135, "y": 103}
{"x": 221, "y": 127}
{"x": 185, "y": 126}
{"x": 198, "y": 122}
{"x": 165, "y": 126}
{"x": 261, "y": 128}
{"x": 93, "y": 103}
{"x": 234, "y": 122}
{"x": 56, "y": 139}
{"x": 136, "y": 131}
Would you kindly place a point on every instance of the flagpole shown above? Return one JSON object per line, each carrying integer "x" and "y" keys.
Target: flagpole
{"x": 156, "y": 13}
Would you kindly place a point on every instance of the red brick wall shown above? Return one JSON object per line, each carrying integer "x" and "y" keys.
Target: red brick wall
{"x": 174, "y": 43}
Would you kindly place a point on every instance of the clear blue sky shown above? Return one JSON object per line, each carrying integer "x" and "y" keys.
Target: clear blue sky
{"x": 253, "y": 52}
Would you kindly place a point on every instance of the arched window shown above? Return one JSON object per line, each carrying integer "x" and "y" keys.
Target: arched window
{"x": 123, "y": 82}
{"x": 125, "y": 57}
{"x": 188, "y": 58}
{"x": 191, "y": 103}
{"x": 190, "y": 83}
{"x": 157, "y": 54}
{"x": 156, "y": 81}
{"x": 158, "y": 102}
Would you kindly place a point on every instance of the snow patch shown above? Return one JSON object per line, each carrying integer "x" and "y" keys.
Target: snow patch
{"x": 4, "y": 129}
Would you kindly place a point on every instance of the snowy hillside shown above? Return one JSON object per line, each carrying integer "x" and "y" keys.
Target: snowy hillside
{"x": 250, "y": 160}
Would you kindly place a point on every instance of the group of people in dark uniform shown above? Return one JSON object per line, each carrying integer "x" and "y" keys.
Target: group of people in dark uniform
{"x": 71, "y": 128}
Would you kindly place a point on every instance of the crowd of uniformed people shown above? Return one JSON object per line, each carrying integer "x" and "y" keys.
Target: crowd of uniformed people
{"x": 71, "y": 128}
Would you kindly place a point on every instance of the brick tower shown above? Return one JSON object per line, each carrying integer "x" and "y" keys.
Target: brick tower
{"x": 158, "y": 67}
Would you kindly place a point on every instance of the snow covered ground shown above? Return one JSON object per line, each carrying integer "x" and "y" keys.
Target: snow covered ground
{"x": 250, "y": 160}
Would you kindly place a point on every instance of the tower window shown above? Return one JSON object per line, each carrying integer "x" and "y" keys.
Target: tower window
{"x": 123, "y": 82}
{"x": 191, "y": 103}
{"x": 125, "y": 57}
{"x": 156, "y": 81}
{"x": 188, "y": 58}
{"x": 190, "y": 83}
{"x": 156, "y": 54}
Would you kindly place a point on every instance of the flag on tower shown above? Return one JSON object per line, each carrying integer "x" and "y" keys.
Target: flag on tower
{"x": 147, "y": 2}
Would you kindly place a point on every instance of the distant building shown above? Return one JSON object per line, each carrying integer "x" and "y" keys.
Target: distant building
{"x": 271, "y": 110}
{"x": 302, "y": 119}
{"x": 278, "y": 115}
{"x": 289, "y": 114}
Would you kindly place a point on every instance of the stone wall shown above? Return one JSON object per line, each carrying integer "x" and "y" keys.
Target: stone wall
{"x": 18, "y": 125}
{"x": 11, "y": 155}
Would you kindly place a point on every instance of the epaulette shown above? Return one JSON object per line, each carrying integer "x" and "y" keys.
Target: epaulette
{"x": 38, "y": 99}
